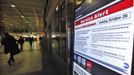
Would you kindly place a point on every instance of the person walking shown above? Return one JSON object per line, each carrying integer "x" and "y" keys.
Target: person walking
{"x": 21, "y": 42}
{"x": 31, "y": 39}
{"x": 9, "y": 43}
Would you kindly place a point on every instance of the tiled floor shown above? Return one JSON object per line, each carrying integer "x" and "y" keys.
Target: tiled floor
{"x": 31, "y": 61}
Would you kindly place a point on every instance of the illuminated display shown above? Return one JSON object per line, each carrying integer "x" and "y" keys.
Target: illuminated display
{"x": 104, "y": 34}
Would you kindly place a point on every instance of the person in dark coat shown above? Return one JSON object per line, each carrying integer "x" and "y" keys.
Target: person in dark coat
{"x": 31, "y": 39}
{"x": 9, "y": 43}
{"x": 21, "y": 42}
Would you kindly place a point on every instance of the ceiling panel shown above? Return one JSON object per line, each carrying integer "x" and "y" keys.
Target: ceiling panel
{"x": 31, "y": 10}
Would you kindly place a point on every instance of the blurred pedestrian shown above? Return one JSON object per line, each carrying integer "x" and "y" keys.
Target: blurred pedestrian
{"x": 42, "y": 42}
{"x": 31, "y": 39}
{"x": 21, "y": 42}
{"x": 40, "y": 38}
{"x": 10, "y": 46}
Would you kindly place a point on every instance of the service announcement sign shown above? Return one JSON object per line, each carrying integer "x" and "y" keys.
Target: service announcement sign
{"x": 104, "y": 34}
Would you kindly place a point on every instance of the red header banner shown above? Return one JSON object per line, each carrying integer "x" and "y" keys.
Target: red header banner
{"x": 124, "y": 4}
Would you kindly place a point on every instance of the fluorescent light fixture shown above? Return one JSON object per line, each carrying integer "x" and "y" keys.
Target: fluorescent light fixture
{"x": 78, "y": 3}
{"x": 57, "y": 8}
{"x": 13, "y": 6}
{"x": 27, "y": 22}
{"x": 89, "y": 1}
{"x": 53, "y": 36}
{"x": 22, "y": 16}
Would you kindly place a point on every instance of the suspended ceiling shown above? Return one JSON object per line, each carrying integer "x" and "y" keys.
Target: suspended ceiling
{"x": 26, "y": 15}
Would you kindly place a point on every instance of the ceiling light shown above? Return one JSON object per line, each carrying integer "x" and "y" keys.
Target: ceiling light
{"x": 13, "y": 6}
{"x": 22, "y": 16}
{"x": 57, "y": 8}
{"x": 78, "y": 3}
{"x": 89, "y": 1}
{"x": 27, "y": 22}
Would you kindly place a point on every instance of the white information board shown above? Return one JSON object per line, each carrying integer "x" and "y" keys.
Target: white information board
{"x": 105, "y": 36}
